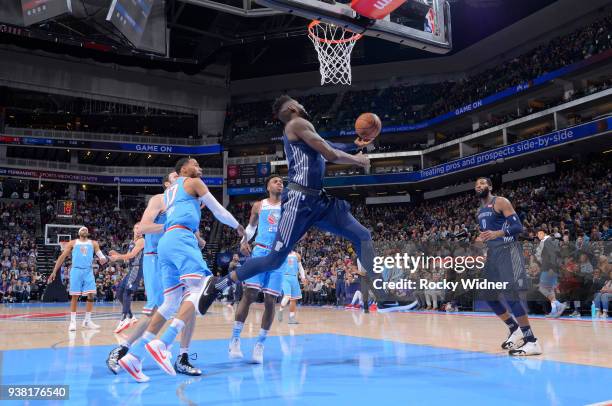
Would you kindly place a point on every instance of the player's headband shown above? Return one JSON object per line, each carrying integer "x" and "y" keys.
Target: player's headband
{"x": 83, "y": 228}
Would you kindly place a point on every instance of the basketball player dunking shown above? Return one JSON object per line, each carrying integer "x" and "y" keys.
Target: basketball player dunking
{"x": 82, "y": 280}
{"x": 304, "y": 202}
{"x": 182, "y": 265}
{"x": 500, "y": 227}
{"x": 265, "y": 217}
{"x": 152, "y": 224}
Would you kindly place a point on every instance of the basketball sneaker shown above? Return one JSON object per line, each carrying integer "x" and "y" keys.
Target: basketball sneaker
{"x": 280, "y": 314}
{"x": 123, "y": 324}
{"x": 258, "y": 351}
{"x": 72, "y": 326}
{"x": 90, "y": 324}
{"x": 513, "y": 339}
{"x": 133, "y": 366}
{"x": 576, "y": 313}
{"x": 560, "y": 308}
{"x": 234, "y": 349}
{"x": 527, "y": 348}
{"x": 208, "y": 294}
{"x": 112, "y": 361}
{"x": 183, "y": 366}
{"x": 161, "y": 355}
{"x": 292, "y": 320}
{"x": 133, "y": 321}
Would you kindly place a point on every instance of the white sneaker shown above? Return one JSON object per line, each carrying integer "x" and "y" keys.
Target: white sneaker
{"x": 133, "y": 321}
{"x": 123, "y": 324}
{"x": 280, "y": 314}
{"x": 161, "y": 355}
{"x": 513, "y": 340}
{"x": 528, "y": 348}
{"x": 72, "y": 326}
{"x": 258, "y": 351}
{"x": 90, "y": 324}
{"x": 234, "y": 349}
{"x": 558, "y": 310}
{"x": 133, "y": 366}
{"x": 576, "y": 313}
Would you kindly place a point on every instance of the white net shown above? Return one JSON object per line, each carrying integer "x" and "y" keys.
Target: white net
{"x": 334, "y": 45}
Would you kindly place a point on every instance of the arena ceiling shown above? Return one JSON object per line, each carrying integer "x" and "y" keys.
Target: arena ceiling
{"x": 202, "y": 35}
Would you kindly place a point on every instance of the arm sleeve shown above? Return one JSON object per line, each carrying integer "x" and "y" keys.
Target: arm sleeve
{"x": 218, "y": 211}
{"x": 100, "y": 255}
{"x": 513, "y": 226}
{"x": 249, "y": 232}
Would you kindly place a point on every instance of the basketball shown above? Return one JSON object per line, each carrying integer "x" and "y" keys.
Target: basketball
{"x": 368, "y": 126}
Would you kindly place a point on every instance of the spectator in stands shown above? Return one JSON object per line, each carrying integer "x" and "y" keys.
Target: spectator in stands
{"x": 603, "y": 296}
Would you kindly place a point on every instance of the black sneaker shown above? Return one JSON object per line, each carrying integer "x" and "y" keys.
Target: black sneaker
{"x": 183, "y": 366}
{"x": 112, "y": 361}
{"x": 208, "y": 294}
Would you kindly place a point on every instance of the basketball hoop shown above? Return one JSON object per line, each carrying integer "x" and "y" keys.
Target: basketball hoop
{"x": 334, "y": 45}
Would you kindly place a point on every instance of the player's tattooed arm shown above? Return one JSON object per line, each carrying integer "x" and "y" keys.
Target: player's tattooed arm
{"x": 245, "y": 248}
{"x": 67, "y": 251}
{"x": 138, "y": 246}
{"x": 305, "y": 131}
{"x": 147, "y": 222}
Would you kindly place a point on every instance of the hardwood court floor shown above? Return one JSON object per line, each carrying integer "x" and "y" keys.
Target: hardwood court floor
{"x": 333, "y": 355}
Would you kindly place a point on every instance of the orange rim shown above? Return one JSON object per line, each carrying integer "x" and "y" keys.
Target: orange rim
{"x": 312, "y": 34}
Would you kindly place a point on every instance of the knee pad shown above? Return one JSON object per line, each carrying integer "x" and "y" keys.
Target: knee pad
{"x": 192, "y": 290}
{"x": 172, "y": 301}
{"x": 518, "y": 310}
{"x": 497, "y": 307}
{"x": 285, "y": 301}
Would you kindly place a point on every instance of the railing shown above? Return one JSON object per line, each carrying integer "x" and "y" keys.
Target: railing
{"x": 100, "y": 170}
{"x": 88, "y": 136}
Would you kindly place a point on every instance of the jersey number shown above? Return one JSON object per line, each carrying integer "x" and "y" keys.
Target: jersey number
{"x": 484, "y": 224}
{"x": 170, "y": 196}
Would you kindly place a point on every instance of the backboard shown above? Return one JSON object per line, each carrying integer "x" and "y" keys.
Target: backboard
{"x": 422, "y": 24}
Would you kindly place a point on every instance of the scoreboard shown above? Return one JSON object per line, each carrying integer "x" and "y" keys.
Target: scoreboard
{"x": 248, "y": 175}
{"x": 65, "y": 208}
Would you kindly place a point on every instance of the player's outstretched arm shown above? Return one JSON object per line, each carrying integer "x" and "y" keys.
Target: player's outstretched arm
{"x": 147, "y": 222}
{"x": 60, "y": 260}
{"x": 305, "y": 131}
{"x": 138, "y": 246}
{"x": 245, "y": 248}
{"x": 101, "y": 257}
{"x": 197, "y": 188}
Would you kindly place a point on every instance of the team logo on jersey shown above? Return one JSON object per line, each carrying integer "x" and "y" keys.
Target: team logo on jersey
{"x": 83, "y": 250}
{"x": 273, "y": 218}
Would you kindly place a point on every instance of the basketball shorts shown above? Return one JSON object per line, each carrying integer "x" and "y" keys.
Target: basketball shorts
{"x": 153, "y": 283}
{"x": 506, "y": 263}
{"x": 291, "y": 287}
{"x": 82, "y": 281}
{"x": 268, "y": 282}
{"x": 179, "y": 259}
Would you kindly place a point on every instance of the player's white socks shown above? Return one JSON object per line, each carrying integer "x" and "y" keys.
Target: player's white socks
{"x": 291, "y": 314}
{"x": 184, "y": 350}
{"x": 73, "y": 317}
{"x": 87, "y": 316}
{"x": 237, "y": 330}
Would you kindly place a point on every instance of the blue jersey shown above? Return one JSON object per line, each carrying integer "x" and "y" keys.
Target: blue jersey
{"x": 292, "y": 268}
{"x": 306, "y": 166}
{"x": 181, "y": 208}
{"x": 82, "y": 254}
{"x": 151, "y": 240}
{"x": 136, "y": 262}
{"x": 491, "y": 220}
{"x": 269, "y": 217}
